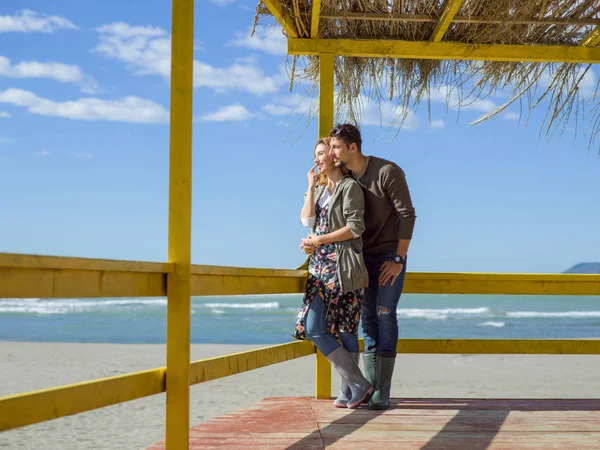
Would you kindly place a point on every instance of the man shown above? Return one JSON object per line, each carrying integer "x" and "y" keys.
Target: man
{"x": 389, "y": 220}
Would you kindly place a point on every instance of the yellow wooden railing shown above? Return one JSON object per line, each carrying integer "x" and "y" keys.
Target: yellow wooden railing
{"x": 27, "y": 276}
{"x": 24, "y": 276}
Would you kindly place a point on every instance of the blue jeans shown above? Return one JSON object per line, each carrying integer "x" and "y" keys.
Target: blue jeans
{"x": 379, "y": 319}
{"x": 317, "y": 332}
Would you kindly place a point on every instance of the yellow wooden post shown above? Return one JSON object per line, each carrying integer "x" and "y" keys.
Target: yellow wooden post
{"x": 180, "y": 217}
{"x": 326, "y": 97}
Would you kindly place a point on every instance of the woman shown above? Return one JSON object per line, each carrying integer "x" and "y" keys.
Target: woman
{"x": 333, "y": 208}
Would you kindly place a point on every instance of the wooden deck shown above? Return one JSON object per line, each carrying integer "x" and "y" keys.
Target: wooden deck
{"x": 302, "y": 423}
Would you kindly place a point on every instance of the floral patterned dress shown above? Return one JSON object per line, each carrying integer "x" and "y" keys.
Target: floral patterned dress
{"x": 343, "y": 308}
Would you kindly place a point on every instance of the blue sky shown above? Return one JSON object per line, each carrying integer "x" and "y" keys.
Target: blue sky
{"x": 84, "y": 101}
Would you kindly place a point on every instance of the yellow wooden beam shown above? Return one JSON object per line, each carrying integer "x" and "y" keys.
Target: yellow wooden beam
{"x": 592, "y": 39}
{"x": 224, "y": 366}
{"x": 445, "y": 50}
{"x": 326, "y": 92}
{"x": 496, "y": 283}
{"x": 39, "y": 406}
{"x": 276, "y": 10}
{"x": 499, "y": 346}
{"x": 326, "y": 115}
{"x": 213, "y": 280}
{"x": 67, "y": 283}
{"x": 20, "y": 261}
{"x": 180, "y": 221}
{"x": 450, "y": 9}
{"x": 315, "y": 18}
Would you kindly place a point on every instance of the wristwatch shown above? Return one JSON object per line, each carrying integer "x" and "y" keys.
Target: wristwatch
{"x": 398, "y": 259}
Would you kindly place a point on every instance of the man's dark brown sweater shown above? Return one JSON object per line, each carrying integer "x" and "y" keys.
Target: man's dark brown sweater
{"x": 389, "y": 212}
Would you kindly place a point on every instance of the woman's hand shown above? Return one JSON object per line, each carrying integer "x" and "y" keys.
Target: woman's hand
{"x": 312, "y": 177}
{"x": 308, "y": 249}
{"x": 312, "y": 241}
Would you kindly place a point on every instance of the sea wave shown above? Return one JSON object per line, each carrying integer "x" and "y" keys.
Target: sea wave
{"x": 266, "y": 305}
{"x": 492, "y": 324}
{"x": 442, "y": 313}
{"x": 568, "y": 314}
{"x": 65, "y": 306}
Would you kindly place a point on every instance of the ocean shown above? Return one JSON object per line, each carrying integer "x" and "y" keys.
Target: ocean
{"x": 270, "y": 319}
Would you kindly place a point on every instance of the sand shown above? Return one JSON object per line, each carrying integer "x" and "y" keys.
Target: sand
{"x": 136, "y": 424}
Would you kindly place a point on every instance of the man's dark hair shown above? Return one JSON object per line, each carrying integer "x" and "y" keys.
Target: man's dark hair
{"x": 347, "y": 133}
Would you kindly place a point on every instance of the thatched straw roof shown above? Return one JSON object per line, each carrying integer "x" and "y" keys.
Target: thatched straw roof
{"x": 410, "y": 81}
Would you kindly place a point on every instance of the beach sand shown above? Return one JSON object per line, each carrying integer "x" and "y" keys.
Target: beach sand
{"x": 139, "y": 423}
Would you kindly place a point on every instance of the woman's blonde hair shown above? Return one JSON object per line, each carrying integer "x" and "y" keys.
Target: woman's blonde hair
{"x": 327, "y": 143}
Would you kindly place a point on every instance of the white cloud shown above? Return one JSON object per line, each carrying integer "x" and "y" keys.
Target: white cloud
{"x": 291, "y": 104}
{"x": 4, "y": 115}
{"x": 235, "y": 113}
{"x": 265, "y": 39}
{"x": 147, "y": 51}
{"x": 64, "y": 73}
{"x": 445, "y": 94}
{"x": 436, "y": 124}
{"x": 241, "y": 77}
{"x": 222, "y": 2}
{"x": 510, "y": 115}
{"x": 26, "y": 21}
{"x": 84, "y": 155}
{"x": 43, "y": 153}
{"x": 386, "y": 114}
{"x": 127, "y": 109}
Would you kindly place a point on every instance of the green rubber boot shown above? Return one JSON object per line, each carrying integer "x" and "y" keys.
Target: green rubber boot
{"x": 385, "y": 370}
{"x": 370, "y": 365}
{"x": 345, "y": 394}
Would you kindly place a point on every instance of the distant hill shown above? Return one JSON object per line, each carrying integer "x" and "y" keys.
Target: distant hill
{"x": 585, "y": 268}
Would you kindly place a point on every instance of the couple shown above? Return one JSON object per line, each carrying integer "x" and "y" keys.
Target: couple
{"x": 361, "y": 214}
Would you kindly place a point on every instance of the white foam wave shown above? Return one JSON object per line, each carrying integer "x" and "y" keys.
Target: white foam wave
{"x": 65, "y": 306}
{"x": 441, "y": 314}
{"x": 492, "y": 324}
{"x": 218, "y": 311}
{"x": 571, "y": 314}
{"x": 267, "y": 305}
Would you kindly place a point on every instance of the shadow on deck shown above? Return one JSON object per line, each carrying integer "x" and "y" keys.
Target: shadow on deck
{"x": 303, "y": 423}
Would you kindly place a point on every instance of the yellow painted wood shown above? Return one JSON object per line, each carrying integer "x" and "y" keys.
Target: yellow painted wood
{"x": 180, "y": 220}
{"x": 450, "y": 9}
{"x": 19, "y": 261}
{"x": 49, "y": 283}
{"x": 592, "y": 39}
{"x": 224, "y": 366}
{"x": 38, "y": 277}
{"x": 315, "y": 18}
{"x": 326, "y": 93}
{"x": 276, "y": 10}
{"x": 326, "y": 115}
{"x": 445, "y": 50}
{"x": 215, "y": 280}
{"x": 496, "y": 283}
{"x": 499, "y": 346}
{"x": 240, "y": 285}
{"x": 246, "y": 272}
{"x": 323, "y": 377}
{"x": 39, "y": 406}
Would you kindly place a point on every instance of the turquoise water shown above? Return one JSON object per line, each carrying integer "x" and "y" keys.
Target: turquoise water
{"x": 269, "y": 319}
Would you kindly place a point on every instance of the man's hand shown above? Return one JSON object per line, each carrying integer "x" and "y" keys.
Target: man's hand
{"x": 389, "y": 270}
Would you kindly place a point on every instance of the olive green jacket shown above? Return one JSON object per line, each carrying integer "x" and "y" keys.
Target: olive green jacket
{"x": 346, "y": 208}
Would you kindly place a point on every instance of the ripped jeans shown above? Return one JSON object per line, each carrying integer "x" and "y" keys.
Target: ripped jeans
{"x": 379, "y": 319}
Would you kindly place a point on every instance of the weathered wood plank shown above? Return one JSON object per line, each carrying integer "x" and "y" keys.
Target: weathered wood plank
{"x": 300, "y": 423}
